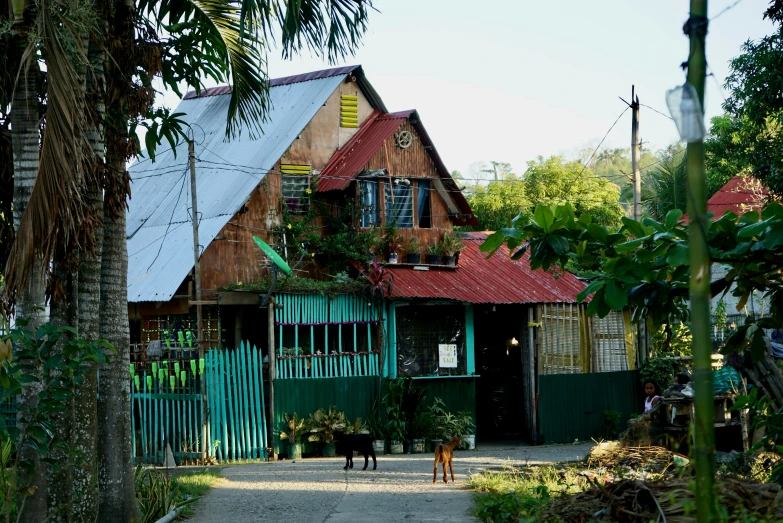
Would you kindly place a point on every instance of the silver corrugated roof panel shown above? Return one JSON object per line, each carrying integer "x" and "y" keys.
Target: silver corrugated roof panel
{"x": 161, "y": 190}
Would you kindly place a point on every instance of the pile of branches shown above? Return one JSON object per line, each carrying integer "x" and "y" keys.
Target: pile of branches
{"x": 667, "y": 502}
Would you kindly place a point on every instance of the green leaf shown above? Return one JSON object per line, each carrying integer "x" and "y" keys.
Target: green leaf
{"x": 599, "y": 232}
{"x": 615, "y": 296}
{"x": 754, "y": 230}
{"x": 593, "y": 306}
{"x": 672, "y": 217}
{"x": 678, "y": 255}
{"x": 493, "y": 242}
{"x": 593, "y": 286}
{"x": 628, "y": 246}
{"x": 558, "y": 243}
{"x": 544, "y": 217}
{"x": 758, "y": 346}
{"x": 633, "y": 227}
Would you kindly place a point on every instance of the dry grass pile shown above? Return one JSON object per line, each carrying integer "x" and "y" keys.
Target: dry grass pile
{"x": 668, "y": 501}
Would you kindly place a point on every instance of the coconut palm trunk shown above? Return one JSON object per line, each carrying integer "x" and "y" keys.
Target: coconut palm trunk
{"x": 30, "y": 301}
{"x": 115, "y": 466}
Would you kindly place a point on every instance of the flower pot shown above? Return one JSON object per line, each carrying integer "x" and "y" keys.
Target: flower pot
{"x": 395, "y": 446}
{"x": 418, "y": 446}
{"x": 294, "y": 451}
{"x": 451, "y": 261}
{"x": 393, "y": 257}
{"x": 407, "y": 446}
{"x": 434, "y": 444}
{"x": 433, "y": 259}
{"x": 330, "y": 450}
{"x": 413, "y": 257}
{"x": 379, "y": 446}
{"x": 470, "y": 442}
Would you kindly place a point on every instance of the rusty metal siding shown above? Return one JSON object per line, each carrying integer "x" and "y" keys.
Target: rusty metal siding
{"x": 498, "y": 279}
{"x": 571, "y": 406}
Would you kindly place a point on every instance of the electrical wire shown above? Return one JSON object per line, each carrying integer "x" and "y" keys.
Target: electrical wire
{"x": 653, "y": 109}
{"x": 173, "y": 209}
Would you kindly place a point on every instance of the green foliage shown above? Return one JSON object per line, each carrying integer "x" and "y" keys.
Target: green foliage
{"x": 299, "y": 284}
{"x": 672, "y": 340}
{"x": 451, "y": 244}
{"x": 611, "y": 423}
{"x": 662, "y": 370}
{"x": 157, "y": 495}
{"x": 395, "y": 414}
{"x": 322, "y": 424}
{"x": 56, "y": 363}
{"x": 645, "y": 265}
{"x": 295, "y": 429}
{"x": 768, "y": 420}
{"x": 505, "y": 507}
{"x": 551, "y": 181}
{"x": 414, "y": 245}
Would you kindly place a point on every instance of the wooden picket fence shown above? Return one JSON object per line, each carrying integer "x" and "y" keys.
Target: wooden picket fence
{"x": 166, "y": 404}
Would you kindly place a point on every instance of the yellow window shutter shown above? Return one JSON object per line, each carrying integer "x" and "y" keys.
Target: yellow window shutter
{"x": 349, "y": 111}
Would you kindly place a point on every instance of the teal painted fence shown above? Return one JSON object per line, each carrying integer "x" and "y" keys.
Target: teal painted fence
{"x": 166, "y": 407}
{"x": 571, "y": 406}
{"x": 330, "y": 318}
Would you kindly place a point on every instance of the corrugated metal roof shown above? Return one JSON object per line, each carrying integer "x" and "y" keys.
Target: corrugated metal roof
{"x": 161, "y": 190}
{"x": 355, "y": 70}
{"x": 479, "y": 280}
{"x": 347, "y": 162}
{"x": 739, "y": 196}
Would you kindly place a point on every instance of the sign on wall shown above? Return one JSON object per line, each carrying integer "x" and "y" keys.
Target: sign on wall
{"x": 447, "y": 355}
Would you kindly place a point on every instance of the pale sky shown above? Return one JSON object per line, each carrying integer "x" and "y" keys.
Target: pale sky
{"x": 509, "y": 80}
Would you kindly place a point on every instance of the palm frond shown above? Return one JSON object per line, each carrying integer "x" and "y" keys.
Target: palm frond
{"x": 55, "y": 210}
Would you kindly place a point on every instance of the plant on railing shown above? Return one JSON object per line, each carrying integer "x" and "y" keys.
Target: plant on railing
{"x": 53, "y": 363}
{"x": 322, "y": 424}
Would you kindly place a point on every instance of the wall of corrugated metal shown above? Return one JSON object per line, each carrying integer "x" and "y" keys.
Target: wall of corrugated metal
{"x": 352, "y": 395}
{"x": 571, "y": 406}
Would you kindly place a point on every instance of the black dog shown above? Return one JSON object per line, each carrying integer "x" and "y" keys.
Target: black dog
{"x": 347, "y": 443}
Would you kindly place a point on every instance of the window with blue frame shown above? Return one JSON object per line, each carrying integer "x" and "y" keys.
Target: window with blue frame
{"x": 399, "y": 203}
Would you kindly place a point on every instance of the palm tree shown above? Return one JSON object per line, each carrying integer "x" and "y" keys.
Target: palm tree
{"x": 233, "y": 35}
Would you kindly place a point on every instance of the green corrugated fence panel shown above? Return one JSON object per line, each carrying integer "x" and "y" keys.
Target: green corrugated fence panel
{"x": 352, "y": 395}
{"x": 457, "y": 393}
{"x": 571, "y": 406}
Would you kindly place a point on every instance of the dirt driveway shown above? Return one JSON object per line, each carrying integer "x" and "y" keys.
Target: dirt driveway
{"x": 318, "y": 490}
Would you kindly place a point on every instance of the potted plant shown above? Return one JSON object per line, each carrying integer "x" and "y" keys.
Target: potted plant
{"x": 438, "y": 415}
{"x": 414, "y": 250}
{"x": 433, "y": 254}
{"x": 395, "y": 415}
{"x": 294, "y": 434}
{"x": 421, "y": 427}
{"x": 321, "y": 425}
{"x": 375, "y": 427}
{"x": 375, "y": 242}
{"x": 393, "y": 244}
{"x": 450, "y": 245}
{"x": 467, "y": 429}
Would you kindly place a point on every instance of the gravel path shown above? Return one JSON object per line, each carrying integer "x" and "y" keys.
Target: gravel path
{"x": 401, "y": 489}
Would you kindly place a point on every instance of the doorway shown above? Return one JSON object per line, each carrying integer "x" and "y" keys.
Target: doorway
{"x": 500, "y": 336}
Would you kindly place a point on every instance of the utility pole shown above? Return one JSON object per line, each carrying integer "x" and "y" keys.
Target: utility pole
{"x": 704, "y": 451}
{"x": 637, "y": 176}
{"x": 197, "y": 282}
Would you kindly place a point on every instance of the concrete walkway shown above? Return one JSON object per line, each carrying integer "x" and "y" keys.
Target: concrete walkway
{"x": 401, "y": 489}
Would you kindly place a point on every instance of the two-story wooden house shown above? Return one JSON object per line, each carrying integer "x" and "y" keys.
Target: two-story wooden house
{"x": 333, "y": 164}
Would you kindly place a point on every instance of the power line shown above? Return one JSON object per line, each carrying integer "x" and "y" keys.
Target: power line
{"x": 725, "y": 9}
{"x": 173, "y": 209}
{"x": 602, "y": 142}
{"x": 657, "y": 111}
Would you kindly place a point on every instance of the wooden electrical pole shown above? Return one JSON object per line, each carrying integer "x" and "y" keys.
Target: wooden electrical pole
{"x": 197, "y": 284}
{"x": 704, "y": 451}
{"x": 637, "y": 176}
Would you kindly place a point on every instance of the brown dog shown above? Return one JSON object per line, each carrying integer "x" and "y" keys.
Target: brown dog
{"x": 444, "y": 454}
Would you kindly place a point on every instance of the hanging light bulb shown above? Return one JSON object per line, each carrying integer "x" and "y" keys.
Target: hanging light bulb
{"x": 684, "y": 106}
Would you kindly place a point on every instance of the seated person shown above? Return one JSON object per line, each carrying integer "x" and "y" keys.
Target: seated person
{"x": 680, "y": 381}
{"x": 653, "y": 395}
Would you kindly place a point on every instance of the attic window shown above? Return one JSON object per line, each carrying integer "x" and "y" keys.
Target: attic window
{"x": 296, "y": 187}
{"x": 399, "y": 203}
{"x": 349, "y": 111}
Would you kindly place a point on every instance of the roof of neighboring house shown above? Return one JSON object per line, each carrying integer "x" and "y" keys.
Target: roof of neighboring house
{"x": 160, "y": 236}
{"x": 348, "y": 162}
{"x": 498, "y": 280}
{"x": 740, "y": 195}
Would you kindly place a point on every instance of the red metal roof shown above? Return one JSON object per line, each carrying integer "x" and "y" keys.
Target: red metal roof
{"x": 347, "y": 162}
{"x": 479, "y": 280}
{"x": 740, "y": 195}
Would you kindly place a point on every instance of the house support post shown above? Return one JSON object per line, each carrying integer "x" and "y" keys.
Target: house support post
{"x": 272, "y": 376}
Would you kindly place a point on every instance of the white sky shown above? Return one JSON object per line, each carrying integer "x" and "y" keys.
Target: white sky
{"x": 509, "y": 80}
